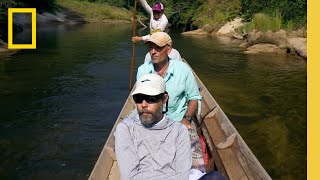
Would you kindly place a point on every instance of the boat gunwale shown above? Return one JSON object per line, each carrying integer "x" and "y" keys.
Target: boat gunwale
{"x": 108, "y": 148}
{"x": 242, "y": 146}
{"x": 240, "y": 149}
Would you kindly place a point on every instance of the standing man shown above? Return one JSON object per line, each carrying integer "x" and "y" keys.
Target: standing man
{"x": 149, "y": 145}
{"x": 158, "y": 20}
{"x": 180, "y": 81}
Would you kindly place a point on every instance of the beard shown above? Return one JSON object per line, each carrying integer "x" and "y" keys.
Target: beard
{"x": 148, "y": 118}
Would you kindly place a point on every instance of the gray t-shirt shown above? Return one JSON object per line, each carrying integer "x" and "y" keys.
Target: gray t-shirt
{"x": 160, "y": 152}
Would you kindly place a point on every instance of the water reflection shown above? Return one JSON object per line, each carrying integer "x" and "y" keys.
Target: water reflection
{"x": 263, "y": 95}
{"x": 59, "y": 102}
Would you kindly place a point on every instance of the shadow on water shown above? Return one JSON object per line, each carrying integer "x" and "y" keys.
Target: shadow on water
{"x": 59, "y": 102}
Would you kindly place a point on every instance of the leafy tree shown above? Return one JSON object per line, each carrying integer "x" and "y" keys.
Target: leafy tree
{"x": 4, "y": 5}
{"x": 183, "y": 12}
{"x": 190, "y": 14}
{"x": 290, "y": 9}
{"x": 41, "y": 5}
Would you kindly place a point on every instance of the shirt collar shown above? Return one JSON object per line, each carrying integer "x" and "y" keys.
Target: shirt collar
{"x": 163, "y": 123}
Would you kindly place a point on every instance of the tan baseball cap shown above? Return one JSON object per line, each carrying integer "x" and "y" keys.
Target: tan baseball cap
{"x": 160, "y": 39}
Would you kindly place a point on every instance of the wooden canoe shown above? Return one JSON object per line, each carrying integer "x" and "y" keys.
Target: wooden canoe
{"x": 234, "y": 161}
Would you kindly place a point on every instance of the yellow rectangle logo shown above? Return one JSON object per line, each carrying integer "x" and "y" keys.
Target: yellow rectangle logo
{"x": 33, "y": 28}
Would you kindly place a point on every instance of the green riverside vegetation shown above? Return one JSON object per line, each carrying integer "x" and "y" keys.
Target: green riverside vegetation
{"x": 287, "y": 14}
{"x": 96, "y": 12}
{"x": 41, "y": 5}
{"x": 184, "y": 15}
{"x": 263, "y": 22}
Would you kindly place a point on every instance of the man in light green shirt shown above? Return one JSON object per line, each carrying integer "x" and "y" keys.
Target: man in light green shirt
{"x": 174, "y": 55}
{"x": 180, "y": 81}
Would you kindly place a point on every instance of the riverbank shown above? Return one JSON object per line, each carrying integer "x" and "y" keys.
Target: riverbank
{"x": 73, "y": 12}
{"x": 4, "y": 51}
{"x": 255, "y": 42}
{"x": 45, "y": 93}
{"x": 94, "y": 12}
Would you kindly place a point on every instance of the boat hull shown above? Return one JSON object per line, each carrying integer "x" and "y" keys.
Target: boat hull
{"x": 228, "y": 152}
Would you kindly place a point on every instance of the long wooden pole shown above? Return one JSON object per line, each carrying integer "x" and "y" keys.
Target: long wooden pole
{"x": 133, "y": 44}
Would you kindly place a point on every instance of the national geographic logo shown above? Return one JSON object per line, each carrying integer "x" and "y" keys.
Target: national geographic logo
{"x": 33, "y": 26}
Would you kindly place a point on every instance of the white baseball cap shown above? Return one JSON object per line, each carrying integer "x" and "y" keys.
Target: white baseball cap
{"x": 150, "y": 84}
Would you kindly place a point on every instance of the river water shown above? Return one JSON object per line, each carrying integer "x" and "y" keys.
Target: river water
{"x": 58, "y": 103}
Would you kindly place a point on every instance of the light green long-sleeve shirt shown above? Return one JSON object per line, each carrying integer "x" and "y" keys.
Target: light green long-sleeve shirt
{"x": 180, "y": 85}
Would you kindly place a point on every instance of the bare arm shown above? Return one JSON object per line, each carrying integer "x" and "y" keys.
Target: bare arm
{"x": 191, "y": 111}
{"x": 192, "y": 107}
{"x": 136, "y": 39}
{"x": 140, "y": 38}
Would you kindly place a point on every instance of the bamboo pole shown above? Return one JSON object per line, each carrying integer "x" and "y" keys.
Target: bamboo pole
{"x": 133, "y": 44}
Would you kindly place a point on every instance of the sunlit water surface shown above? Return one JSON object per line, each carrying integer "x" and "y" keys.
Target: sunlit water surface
{"x": 59, "y": 102}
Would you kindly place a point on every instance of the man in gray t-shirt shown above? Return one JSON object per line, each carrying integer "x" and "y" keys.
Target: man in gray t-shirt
{"x": 148, "y": 144}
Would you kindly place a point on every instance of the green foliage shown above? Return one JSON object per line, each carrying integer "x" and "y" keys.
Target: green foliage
{"x": 181, "y": 13}
{"x": 4, "y": 10}
{"x": 4, "y": 5}
{"x": 290, "y": 9}
{"x": 41, "y": 5}
{"x": 276, "y": 21}
{"x": 195, "y": 13}
{"x": 186, "y": 14}
{"x": 290, "y": 25}
{"x": 215, "y": 12}
{"x": 96, "y": 11}
{"x": 263, "y": 22}
{"x": 118, "y": 3}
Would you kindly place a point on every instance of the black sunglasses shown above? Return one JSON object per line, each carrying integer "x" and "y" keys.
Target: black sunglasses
{"x": 138, "y": 98}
